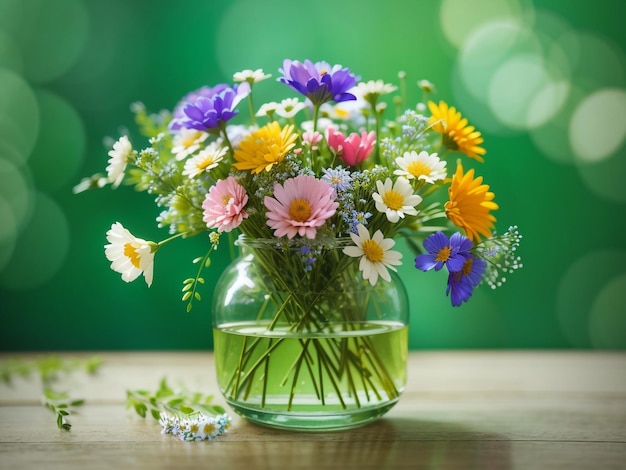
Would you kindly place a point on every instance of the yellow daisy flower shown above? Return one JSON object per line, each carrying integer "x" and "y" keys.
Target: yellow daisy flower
{"x": 470, "y": 203}
{"x": 457, "y": 135}
{"x": 265, "y": 147}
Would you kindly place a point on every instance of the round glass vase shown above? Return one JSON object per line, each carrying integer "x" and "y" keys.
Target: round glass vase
{"x": 303, "y": 342}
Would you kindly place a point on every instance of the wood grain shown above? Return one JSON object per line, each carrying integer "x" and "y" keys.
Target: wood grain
{"x": 478, "y": 409}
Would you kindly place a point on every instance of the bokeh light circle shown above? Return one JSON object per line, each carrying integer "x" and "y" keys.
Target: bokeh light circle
{"x": 51, "y": 36}
{"x": 60, "y": 148}
{"x": 459, "y": 19}
{"x": 513, "y": 87}
{"x": 607, "y": 322}
{"x": 40, "y": 249}
{"x": 19, "y": 114}
{"x": 16, "y": 190}
{"x": 579, "y": 288}
{"x": 598, "y": 126}
{"x": 10, "y": 56}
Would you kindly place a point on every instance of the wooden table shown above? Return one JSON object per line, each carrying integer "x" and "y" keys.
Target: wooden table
{"x": 478, "y": 409}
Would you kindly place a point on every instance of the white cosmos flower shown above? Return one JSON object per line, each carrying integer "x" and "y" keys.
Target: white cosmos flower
{"x": 371, "y": 90}
{"x": 250, "y": 76}
{"x": 130, "y": 256}
{"x": 375, "y": 253}
{"x": 267, "y": 109}
{"x": 396, "y": 200}
{"x": 206, "y": 159}
{"x": 289, "y": 107}
{"x": 422, "y": 166}
{"x": 187, "y": 141}
{"x": 120, "y": 154}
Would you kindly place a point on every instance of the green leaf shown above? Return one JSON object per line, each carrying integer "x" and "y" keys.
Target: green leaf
{"x": 155, "y": 414}
{"x": 186, "y": 297}
{"x": 197, "y": 296}
{"x": 141, "y": 409}
{"x": 63, "y": 412}
{"x": 77, "y": 402}
{"x": 201, "y": 280}
{"x": 186, "y": 409}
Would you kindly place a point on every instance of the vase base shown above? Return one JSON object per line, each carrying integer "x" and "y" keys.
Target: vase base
{"x": 312, "y": 421}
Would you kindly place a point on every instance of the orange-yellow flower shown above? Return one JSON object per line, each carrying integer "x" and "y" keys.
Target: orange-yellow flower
{"x": 470, "y": 204}
{"x": 457, "y": 135}
{"x": 265, "y": 147}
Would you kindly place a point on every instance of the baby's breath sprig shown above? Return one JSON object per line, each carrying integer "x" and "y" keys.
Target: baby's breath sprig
{"x": 50, "y": 369}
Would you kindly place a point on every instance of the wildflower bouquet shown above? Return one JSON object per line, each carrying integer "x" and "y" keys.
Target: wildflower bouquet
{"x": 325, "y": 180}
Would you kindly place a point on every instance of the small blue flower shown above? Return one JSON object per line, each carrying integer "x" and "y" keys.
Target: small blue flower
{"x": 339, "y": 178}
{"x": 461, "y": 283}
{"x": 442, "y": 251}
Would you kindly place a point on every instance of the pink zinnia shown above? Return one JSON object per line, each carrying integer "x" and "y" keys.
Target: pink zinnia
{"x": 224, "y": 205}
{"x": 300, "y": 206}
{"x": 353, "y": 149}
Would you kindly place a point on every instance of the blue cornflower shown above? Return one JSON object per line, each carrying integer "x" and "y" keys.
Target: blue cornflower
{"x": 319, "y": 82}
{"x": 339, "y": 178}
{"x": 461, "y": 283}
{"x": 442, "y": 251}
{"x": 207, "y": 113}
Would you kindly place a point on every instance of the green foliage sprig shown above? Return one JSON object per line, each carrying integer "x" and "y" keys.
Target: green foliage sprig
{"x": 179, "y": 403}
{"x": 50, "y": 369}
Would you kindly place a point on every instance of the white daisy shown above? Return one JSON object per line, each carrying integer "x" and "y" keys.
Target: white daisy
{"x": 250, "y": 76}
{"x": 267, "y": 109}
{"x": 375, "y": 253}
{"x": 122, "y": 149}
{"x": 289, "y": 107}
{"x": 187, "y": 141}
{"x": 396, "y": 200}
{"x": 422, "y": 166}
{"x": 206, "y": 159}
{"x": 371, "y": 90}
{"x": 130, "y": 256}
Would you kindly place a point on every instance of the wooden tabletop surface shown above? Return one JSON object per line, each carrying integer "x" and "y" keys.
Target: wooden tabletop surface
{"x": 461, "y": 409}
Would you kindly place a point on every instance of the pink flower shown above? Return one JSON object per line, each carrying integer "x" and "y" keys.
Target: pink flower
{"x": 300, "y": 206}
{"x": 311, "y": 139}
{"x": 353, "y": 149}
{"x": 224, "y": 205}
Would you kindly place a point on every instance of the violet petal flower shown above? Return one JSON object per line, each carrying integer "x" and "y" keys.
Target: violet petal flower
{"x": 461, "y": 283}
{"x": 178, "y": 114}
{"x": 207, "y": 113}
{"x": 319, "y": 82}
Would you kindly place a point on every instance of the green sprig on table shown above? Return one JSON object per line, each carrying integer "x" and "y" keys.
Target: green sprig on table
{"x": 50, "y": 369}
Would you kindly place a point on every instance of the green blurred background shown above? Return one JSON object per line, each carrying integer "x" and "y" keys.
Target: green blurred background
{"x": 545, "y": 82}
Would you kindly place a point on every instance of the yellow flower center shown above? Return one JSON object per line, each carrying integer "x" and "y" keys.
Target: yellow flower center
{"x": 443, "y": 254}
{"x": 191, "y": 139}
{"x": 300, "y": 210}
{"x": 226, "y": 198}
{"x": 194, "y": 428}
{"x": 393, "y": 200}
{"x": 467, "y": 266}
{"x": 205, "y": 163}
{"x": 373, "y": 251}
{"x": 418, "y": 169}
{"x": 131, "y": 253}
{"x": 208, "y": 428}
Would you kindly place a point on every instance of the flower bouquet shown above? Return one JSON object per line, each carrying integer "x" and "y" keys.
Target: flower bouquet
{"x": 310, "y": 322}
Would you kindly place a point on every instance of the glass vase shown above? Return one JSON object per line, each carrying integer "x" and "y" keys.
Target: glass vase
{"x": 303, "y": 342}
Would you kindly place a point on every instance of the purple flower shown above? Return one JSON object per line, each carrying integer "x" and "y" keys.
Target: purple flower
{"x": 461, "y": 283}
{"x": 191, "y": 97}
{"x": 207, "y": 113}
{"x": 442, "y": 251}
{"x": 319, "y": 82}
